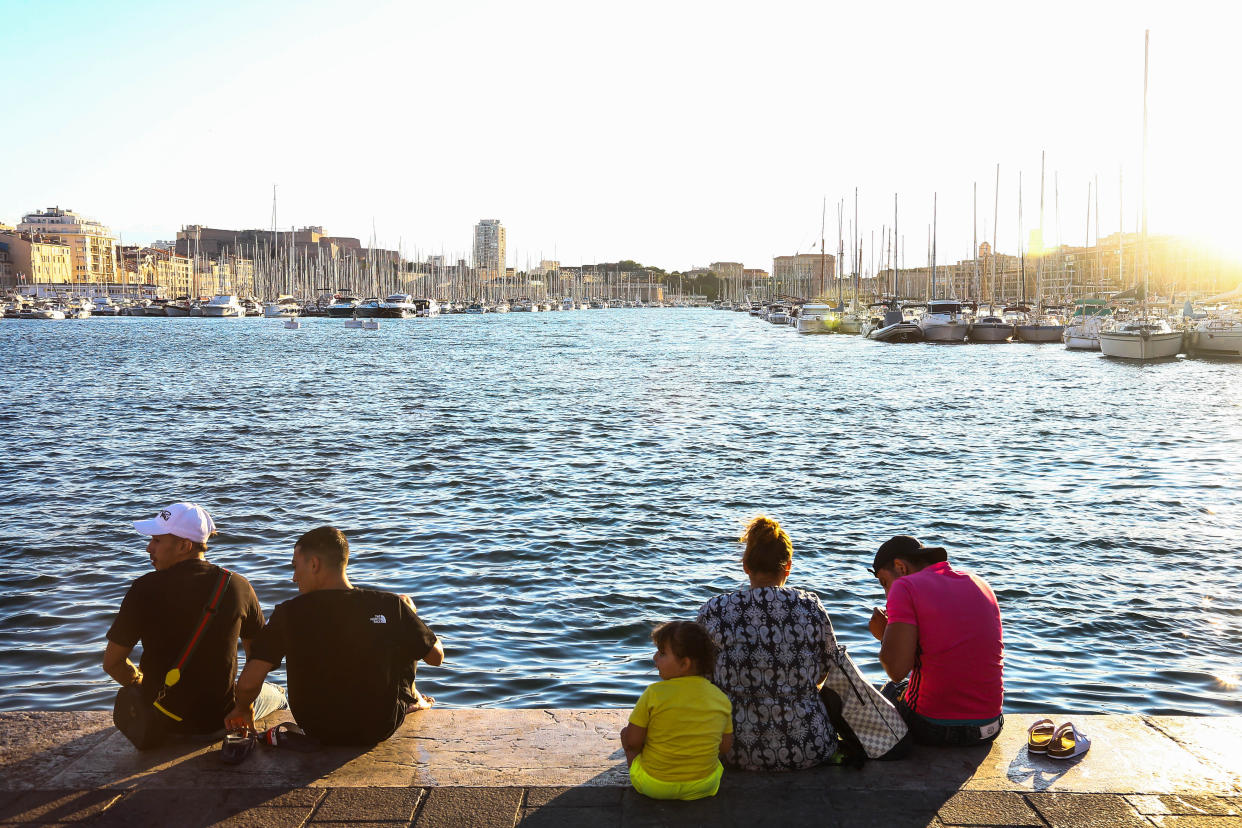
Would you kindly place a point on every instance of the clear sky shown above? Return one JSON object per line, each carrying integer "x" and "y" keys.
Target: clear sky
{"x": 674, "y": 133}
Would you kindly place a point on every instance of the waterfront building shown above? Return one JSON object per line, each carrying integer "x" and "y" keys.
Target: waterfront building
{"x": 30, "y": 261}
{"x": 215, "y": 243}
{"x": 489, "y": 249}
{"x": 172, "y": 274}
{"x": 91, "y": 244}
{"x": 807, "y": 275}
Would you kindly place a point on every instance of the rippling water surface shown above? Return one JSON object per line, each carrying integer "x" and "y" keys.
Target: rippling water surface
{"x": 549, "y": 486}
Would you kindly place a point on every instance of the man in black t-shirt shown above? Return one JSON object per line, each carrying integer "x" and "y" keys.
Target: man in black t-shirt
{"x": 162, "y": 610}
{"x": 350, "y": 653}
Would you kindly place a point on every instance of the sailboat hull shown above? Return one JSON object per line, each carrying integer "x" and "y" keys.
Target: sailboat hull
{"x": 1216, "y": 343}
{"x": 1139, "y": 346}
{"x": 989, "y": 332}
{"x": 1040, "y": 333}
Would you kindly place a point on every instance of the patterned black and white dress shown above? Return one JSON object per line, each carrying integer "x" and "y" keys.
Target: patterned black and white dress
{"x": 774, "y": 644}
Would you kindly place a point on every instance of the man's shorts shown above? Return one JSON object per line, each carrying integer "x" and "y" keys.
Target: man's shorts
{"x": 648, "y": 785}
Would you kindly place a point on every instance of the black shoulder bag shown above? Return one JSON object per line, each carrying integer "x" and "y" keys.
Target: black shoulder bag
{"x": 146, "y": 724}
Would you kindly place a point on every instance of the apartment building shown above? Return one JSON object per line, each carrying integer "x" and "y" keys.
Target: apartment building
{"x": 27, "y": 261}
{"x": 489, "y": 248}
{"x": 173, "y": 274}
{"x": 91, "y": 245}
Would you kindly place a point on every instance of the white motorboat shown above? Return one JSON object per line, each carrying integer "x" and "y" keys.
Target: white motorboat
{"x": 46, "y": 312}
{"x": 283, "y": 307}
{"x": 104, "y": 306}
{"x": 568, "y": 304}
{"x": 224, "y": 306}
{"x": 1216, "y": 336}
{"x": 156, "y": 308}
{"x": 500, "y": 307}
{"x": 1142, "y": 338}
{"x": 425, "y": 308}
{"x": 342, "y": 307}
{"x": 817, "y": 318}
{"x": 477, "y": 307}
{"x": 397, "y": 306}
{"x": 944, "y": 321}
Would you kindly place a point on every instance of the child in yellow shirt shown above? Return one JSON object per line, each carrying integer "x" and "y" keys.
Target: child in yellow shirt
{"x": 682, "y": 723}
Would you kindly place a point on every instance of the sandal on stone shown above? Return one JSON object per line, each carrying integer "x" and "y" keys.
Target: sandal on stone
{"x": 1067, "y": 742}
{"x": 1039, "y": 736}
{"x": 291, "y": 737}
{"x": 236, "y": 746}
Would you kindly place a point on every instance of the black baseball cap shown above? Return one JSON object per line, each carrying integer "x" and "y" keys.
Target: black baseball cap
{"x": 904, "y": 546}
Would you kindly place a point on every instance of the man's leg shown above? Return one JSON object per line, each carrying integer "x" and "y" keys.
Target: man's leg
{"x": 271, "y": 698}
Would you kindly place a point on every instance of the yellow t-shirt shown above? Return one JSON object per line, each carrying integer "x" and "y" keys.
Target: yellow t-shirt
{"x": 685, "y": 718}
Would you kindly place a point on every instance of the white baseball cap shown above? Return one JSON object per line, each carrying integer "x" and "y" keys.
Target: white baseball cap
{"x": 185, "y": 520}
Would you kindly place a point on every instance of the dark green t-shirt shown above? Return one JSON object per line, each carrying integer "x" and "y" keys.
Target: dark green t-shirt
{"x": 161, "y": 610}
{"x": 350, "y": 656}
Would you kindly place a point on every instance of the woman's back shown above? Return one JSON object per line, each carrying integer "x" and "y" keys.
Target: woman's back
{"x": 774, "y": 645}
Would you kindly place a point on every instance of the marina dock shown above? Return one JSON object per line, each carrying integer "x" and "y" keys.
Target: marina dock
{"x": 495, "y": 767}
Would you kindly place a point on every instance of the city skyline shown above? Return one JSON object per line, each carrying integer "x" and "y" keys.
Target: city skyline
{"x": 676, "y": 140}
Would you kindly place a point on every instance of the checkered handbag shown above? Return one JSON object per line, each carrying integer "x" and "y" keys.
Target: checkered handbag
{"x": 863, "y": 718}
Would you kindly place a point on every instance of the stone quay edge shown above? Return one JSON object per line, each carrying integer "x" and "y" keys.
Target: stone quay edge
{"x": 501, "y": 767}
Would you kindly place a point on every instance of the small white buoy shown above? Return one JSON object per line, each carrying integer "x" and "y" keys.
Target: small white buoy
{"x": 371, "y": 325}
{"x": 353, "y": 323}
{"x": 292, "y": 324}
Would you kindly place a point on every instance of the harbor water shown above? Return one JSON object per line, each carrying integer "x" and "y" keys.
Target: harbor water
{"x": 549, "y": 486}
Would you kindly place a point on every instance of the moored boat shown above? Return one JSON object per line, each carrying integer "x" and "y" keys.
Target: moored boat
{"x": 1143, "y": 338}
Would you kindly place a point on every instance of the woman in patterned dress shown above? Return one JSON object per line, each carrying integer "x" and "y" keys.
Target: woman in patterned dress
{"x": 774, "y": 642}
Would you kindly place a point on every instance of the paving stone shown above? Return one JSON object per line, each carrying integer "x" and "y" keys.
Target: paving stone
{"x": 638, "y": 811}
{"x": 57, "y": 806}
{"x": 1196, "y": 821}
{"x": 572, "y": 797}
{"x": 598, "y": 816}
{"x": 266, "y": 817}
{"x": 988, "y": 808}
{"x": 882, "y": 809}
{"x": 374, "y": 804}
{"x": 1185, "y": 804}
{"x": 159, "y": 806}
{"x": 470, "y": 808}
{"x": 1078, "y": 810}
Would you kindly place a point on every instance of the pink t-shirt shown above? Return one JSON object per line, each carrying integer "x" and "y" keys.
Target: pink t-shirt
{"x": 957, "y": 669}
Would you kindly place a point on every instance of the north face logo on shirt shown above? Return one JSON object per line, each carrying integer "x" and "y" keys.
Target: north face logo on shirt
{"x": 378, "y": 619}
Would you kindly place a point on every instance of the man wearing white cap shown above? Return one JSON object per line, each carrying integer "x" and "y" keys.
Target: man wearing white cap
{"x": 162, "y": 610}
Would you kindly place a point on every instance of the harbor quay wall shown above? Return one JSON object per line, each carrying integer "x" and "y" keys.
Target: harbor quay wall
{"x": 499, "y": 767}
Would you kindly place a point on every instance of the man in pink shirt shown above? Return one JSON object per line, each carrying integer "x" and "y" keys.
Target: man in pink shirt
{"x": 941, "y": 644}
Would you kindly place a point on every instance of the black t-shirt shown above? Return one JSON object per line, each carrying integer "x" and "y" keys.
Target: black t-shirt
{"x": 351, "y": 655}
{"x": 161, "y": 610}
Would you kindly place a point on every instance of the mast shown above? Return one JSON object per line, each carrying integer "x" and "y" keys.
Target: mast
{"x": 1143, "y": 234}
{"x": 894, "y": 248}
{"x": 1021, "y": 250}
{"x": 1039, "y": 264}
{"x": 995, "y": 221}
{"x": 974, "y": 239}
{"x": 823, "y": 218}
{"x": 933, "y": 245}
{"x": 856, "y": 243}
{"x": 836, "y": 266}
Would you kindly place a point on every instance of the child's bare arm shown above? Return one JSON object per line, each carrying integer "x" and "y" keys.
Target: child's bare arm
{"x": 726, "y": 744}
{"x": 633, "y": 738}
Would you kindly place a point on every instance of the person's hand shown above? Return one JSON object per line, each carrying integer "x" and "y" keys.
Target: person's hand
{"x": 878, "y": 623}
{"x": 240, "y": 718}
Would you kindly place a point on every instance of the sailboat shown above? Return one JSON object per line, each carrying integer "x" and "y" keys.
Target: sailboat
{"x": 1146, "y": 336}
